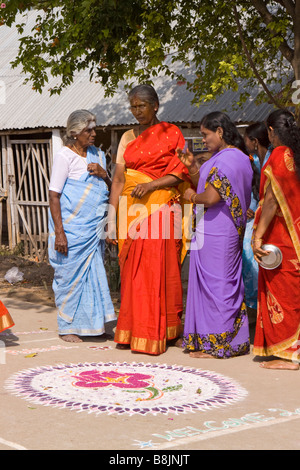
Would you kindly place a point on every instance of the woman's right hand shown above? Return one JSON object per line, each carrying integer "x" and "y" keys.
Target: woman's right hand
{"x": 111, "y": 233}
{"x": 61, "y": 243}
{"x": 186, "y": 158}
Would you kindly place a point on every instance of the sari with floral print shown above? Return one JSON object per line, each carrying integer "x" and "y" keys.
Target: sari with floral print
{"x": 216, "y": 320}
{"x": 278, "y": 312}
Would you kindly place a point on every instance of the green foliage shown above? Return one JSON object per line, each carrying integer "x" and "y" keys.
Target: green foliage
{"x": 135, "y": 40}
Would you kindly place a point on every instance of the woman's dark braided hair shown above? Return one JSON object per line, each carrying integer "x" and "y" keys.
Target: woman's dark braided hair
{"x": 231, "y": 136}
{"x": 258, "y": 131}
{"x": 285, "y": 127}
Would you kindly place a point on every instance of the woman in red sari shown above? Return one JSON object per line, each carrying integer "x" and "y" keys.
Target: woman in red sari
{"x": 6, "y": 321}
{"x": 277, "y": 221}
{"x": 150, "y": 246}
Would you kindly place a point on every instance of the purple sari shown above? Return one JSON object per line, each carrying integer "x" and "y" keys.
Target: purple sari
{"x": 216, "y": 319}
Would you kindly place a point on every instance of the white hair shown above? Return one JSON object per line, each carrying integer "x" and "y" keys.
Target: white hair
{"x": 77, "y": 121}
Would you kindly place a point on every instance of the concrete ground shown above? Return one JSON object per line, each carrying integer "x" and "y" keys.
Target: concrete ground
{"x": 257, "y": 410}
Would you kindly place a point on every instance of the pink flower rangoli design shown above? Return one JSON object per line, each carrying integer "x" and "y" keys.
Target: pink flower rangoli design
{"x": 95, "y": 379}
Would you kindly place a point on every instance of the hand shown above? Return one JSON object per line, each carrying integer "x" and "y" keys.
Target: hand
{"x": 141, "y": 189}
{"x": 250, "y": 214}
{"x": 111, "y": 233}
{"x": 188, "y": 194}
{"x": 186, "y": 158}
{"x": 96, "y": 170}
{"x": 111, "y": 241}
{"x": 61, "y": 243}
{"x": 257, "y": 250}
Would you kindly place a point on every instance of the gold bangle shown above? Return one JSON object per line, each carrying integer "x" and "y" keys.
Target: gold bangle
{"x": 194, "y": 174}
{"x": 191, "y": 198}
{"x": 257, "y": 239}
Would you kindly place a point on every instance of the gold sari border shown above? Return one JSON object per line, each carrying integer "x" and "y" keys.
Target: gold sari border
{"x": 284, "y": 209}
{"x": 145, "y": 345}
{"x": 279, "y": 349}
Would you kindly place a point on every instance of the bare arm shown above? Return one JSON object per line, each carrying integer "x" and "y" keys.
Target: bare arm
{"x": 61, "y": 243}
{"x": 116, "y": 191}
{"x": 269, "y": 208}
{"x": 208, "y": 198}
{"x": 165, "y": 181}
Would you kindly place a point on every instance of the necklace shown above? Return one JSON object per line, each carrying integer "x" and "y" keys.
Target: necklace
{"x": 77, "y": 151}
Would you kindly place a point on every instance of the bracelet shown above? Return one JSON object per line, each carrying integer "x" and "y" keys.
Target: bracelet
{"x": 257, "y": 239}
{"x": 194, "y": 174}
{"x": 191, "y": 198}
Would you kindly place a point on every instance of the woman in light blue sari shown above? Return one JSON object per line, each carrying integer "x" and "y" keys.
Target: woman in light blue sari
{"x": 258, "y": 145}
{"x": 79, "y": 190}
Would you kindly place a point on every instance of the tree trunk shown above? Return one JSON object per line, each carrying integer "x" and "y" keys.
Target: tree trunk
{"x": 296, "y": 59}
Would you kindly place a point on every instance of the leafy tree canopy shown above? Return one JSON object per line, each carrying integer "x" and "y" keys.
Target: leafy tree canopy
{"x": 135, "y": 40}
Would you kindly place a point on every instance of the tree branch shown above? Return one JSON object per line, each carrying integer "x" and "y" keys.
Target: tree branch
{"x": 267, "y": 17}
{"x": 289, "y": 5}
{"x": 250, "y": 60}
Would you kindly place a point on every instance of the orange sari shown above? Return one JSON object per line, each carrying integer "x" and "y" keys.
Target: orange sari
{"x": 5, "y": 319}
{"x": 150, "y": 257}
{"x": 278, "y": 311}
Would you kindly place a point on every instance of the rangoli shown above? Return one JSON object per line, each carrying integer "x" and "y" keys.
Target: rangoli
{"x": 122, "y": 387}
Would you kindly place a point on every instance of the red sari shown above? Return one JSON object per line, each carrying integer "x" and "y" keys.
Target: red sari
{"x": 150, "y": 265}
{"x": 278, "y": 310}
{"x": 5, "y": 319}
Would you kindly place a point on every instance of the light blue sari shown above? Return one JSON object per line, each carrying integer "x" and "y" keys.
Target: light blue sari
{"x": 80, "y": 284}
{"x": 250, "y": 266}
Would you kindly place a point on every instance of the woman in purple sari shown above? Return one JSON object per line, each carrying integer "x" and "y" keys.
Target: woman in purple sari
{"x": 216, "y": 322}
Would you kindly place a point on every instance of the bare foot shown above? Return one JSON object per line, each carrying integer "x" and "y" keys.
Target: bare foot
{"x": 106, "y": 336}
{"x": 122, "y": 346}
{"x": 71, "y": 338}
{"x": 201, "y": 355}
{"x": 279, "y": 364}
{"x": 177, "y": 342}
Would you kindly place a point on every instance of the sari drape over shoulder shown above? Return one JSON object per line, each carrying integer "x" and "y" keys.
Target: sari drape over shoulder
{"x": 80, "y": 284}
{"x": 216, "y": 319}
{"x": 6, "y": 320}
{"x": 150, "y": 243}
{"x": 278, "y": 312}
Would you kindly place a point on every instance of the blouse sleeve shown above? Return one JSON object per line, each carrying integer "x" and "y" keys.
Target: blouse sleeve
{"x": 127, "y": 137}
{"x": 60, "y": 171}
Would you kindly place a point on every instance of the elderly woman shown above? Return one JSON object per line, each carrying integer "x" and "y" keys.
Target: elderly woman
{"x": 146, "y": 177}
{"x": 79, "y": 190}
{"x": 216, "y": 323}
{"x": 277, "y": 222}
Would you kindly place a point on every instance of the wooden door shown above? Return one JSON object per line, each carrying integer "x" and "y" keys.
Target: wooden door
{"x": 30, "y": 168}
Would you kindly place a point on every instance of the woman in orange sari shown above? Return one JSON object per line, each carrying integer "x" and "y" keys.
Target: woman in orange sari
{"x": 277, "y": 221}
{"x": 149, "y": 228}
{"x": 6, "y": 321}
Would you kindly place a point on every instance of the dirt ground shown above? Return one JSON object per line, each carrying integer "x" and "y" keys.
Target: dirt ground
{"x": 36, "y": 283}
{"x": 36, "y": 286}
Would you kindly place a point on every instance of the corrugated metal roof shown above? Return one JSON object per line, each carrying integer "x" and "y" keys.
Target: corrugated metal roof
{"x": 24, "y": 108}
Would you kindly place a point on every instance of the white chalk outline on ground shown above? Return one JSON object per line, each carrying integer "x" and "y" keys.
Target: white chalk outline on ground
{"x": 12, "y": 444}
{"x": 222, "y": 433}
